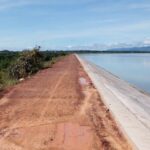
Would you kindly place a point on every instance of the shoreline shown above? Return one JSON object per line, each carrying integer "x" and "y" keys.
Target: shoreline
{"x": 126, "y": 103}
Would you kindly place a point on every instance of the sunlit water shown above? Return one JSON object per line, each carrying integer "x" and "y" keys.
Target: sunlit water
{"x": 134, "y": 68}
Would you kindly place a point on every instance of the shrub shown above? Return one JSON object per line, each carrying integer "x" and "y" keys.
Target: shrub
{"x": 28, "y": 63}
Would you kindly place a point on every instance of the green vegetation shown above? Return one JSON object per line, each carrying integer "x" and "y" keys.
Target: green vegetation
{"x": 29, "y": 62}
{"x": 6, "y": 59}
{"x": 17, "y": 65}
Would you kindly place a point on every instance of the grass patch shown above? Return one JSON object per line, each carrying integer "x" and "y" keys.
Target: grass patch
{"x": 6, "y": 81}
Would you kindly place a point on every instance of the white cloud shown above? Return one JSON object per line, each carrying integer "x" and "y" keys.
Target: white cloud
{"x": 147, "y": 41}
{"x": 120, "y": 6}
{"x": 139, "y": 6}
{"x": 98, "y": 46}
{"x": 8, "y": 4}
{"x": 45, "y": 36}
{"x": 106, "y": 46}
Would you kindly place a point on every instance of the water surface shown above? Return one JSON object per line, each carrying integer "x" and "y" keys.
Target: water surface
{"x": 134, "y": 68}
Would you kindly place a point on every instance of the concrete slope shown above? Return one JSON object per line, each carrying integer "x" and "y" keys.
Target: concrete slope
{"x": 129, "y": 106}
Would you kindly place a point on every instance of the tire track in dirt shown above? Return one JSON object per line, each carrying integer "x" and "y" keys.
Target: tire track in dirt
{"x": 15, "y": 125}
{"x": 52, "y": 94}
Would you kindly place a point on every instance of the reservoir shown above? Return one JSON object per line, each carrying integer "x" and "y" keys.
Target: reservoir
{"x": 133, "y": 68}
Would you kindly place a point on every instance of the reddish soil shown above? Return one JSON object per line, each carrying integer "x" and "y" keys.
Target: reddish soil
{"x": 57, "y": 109}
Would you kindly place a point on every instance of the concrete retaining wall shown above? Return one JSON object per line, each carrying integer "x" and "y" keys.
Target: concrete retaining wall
{"x": 129, "y": 106}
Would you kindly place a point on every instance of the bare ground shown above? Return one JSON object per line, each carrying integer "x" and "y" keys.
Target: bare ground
{"x": 57, "y": 109}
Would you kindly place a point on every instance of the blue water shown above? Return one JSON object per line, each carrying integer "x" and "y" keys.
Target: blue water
{"x": 133, "y": 68}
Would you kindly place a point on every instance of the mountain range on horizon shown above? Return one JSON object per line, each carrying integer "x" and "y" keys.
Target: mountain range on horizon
{"x": 143, "y": 48}
{"x": 140, "y": 49}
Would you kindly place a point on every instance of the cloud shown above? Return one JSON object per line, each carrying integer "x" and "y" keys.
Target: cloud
{"x": 119, "y": 6}
{"x": 146, "y": 41}
{"x": 71, "y": 27}
{"x": 92, "y": 5}
{"x": 95, "y": 46}
{"x": 98, "y": 46}
{"x": 46, "y": 36}
{"x": 8, "y": 4}
{"x": 139, "y": 6}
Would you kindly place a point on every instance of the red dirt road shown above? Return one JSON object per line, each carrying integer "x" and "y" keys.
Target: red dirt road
{"x": 57, "y": 109}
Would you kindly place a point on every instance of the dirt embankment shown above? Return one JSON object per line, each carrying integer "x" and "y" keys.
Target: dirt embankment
{"x": 57, "y": 109}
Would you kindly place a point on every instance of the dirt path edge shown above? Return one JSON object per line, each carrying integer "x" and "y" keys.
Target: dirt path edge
{"x": 129, "y": 140}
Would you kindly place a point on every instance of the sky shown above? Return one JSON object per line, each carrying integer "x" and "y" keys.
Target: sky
{"x": 74, "y": 24}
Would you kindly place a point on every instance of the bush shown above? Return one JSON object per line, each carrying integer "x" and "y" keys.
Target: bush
{"x": 49, "y": 55}
{"x": 28, "y": 63}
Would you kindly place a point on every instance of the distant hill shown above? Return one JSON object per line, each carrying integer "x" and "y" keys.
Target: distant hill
{"x": 132, "y": 49}
{"x": 144, "y": 49}
{"x": 116, "y": 50}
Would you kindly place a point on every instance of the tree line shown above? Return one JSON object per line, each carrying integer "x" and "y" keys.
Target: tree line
{"x": 17, "y": 65}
